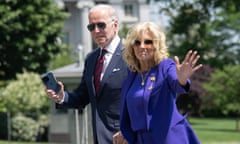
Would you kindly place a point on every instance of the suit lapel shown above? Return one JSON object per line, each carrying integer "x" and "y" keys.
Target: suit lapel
{"x": 128, "y": 82}
{"x": 112, "y": 67}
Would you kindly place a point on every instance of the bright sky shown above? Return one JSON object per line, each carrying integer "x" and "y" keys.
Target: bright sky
{"x": 156, "y": 16}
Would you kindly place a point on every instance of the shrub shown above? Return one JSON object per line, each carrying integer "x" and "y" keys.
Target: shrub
{"x": 26, "y": 95}
{"x": 24, "y": 129}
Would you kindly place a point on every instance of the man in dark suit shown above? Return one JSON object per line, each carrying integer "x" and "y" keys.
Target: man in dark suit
{"x": 104, "y": 97}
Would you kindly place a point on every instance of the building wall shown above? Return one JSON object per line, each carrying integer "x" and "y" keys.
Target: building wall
{"x": 75, "y": 25}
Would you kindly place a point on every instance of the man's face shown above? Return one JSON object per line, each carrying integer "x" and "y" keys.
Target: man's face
{"x": 102, "y": 27}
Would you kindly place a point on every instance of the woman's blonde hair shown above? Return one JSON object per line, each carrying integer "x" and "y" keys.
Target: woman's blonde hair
{"x": 159, "y": 44}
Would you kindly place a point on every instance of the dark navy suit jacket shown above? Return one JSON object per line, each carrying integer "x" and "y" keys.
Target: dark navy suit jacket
{"x": 105, "y": 104}
{"x": 163, "y": 121}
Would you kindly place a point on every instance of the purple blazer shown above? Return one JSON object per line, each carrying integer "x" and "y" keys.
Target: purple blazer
{"x": 164, "y": 123}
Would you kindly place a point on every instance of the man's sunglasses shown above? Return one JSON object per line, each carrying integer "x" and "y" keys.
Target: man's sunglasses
{"x": 146, "y": 42}
{"x": 100, "y": 25}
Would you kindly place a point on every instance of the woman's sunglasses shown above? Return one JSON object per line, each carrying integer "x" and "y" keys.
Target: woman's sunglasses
{"x": 100, "y": 25}
{"x": 146, "y": 42}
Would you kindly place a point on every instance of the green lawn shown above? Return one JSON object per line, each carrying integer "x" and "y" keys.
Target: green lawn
{"x": 5, "y": 142}
{"x": 209, "y": 131}
{"x": 216, "y": 130}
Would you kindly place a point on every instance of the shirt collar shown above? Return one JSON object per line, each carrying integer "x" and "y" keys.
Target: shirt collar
{"x": 113, "y": 45}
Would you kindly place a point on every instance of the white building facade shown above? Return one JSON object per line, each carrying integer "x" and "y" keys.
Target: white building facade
{"x": 76, "y": 33}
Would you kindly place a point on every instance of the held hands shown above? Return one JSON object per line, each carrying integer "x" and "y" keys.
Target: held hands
{"x": 119, "y": 139}
{"x": 187, "y": 67}
{"x": 57, "y": 97}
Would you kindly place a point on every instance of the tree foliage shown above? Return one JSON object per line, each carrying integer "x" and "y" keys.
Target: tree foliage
{"x": 24, "y": 95}
{"x": 29, "y": 32}
{"x": 26, "y": 102}
{"x": 210, "y": 27}
{"x": 24, "y": 129}
{"x": 223, "y": 86}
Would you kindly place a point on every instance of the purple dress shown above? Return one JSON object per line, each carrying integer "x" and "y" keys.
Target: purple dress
{"x": 148, "y": 112}
{"x": 135, "y": 104}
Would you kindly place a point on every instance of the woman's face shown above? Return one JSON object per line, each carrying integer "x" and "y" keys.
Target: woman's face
{"x": 143, "y": 48}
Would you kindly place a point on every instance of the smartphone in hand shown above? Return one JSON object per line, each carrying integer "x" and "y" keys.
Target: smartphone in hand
{"x": 50, "y": 81}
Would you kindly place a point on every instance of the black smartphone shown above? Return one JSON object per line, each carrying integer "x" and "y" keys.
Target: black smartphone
{"x": 50, "y": 81}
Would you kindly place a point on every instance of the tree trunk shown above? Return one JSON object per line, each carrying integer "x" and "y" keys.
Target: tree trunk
{"x": 237, "y": 124}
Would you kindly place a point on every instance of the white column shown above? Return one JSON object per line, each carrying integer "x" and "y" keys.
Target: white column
{"x": 84, "y": 6}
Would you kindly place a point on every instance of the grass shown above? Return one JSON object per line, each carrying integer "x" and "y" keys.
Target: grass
{"x": 6, "y": 142}
{"x": 208, "y": 130}
{"x": 213, "y": 131}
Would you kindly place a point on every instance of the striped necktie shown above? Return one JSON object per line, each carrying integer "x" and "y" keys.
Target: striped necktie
{"x": 98, "y": 70}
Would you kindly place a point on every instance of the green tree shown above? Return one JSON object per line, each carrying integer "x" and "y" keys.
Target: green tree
{"x": 29, "y": 31}
{"x": 210, "y": 27}
{"x": 223, "y": 86}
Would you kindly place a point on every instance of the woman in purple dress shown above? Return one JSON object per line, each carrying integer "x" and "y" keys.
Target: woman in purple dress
{"x": 149, "y": 113}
